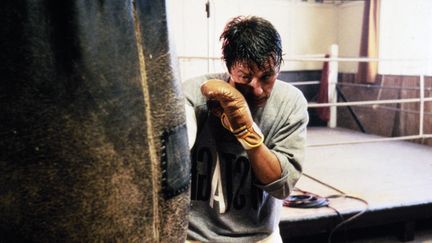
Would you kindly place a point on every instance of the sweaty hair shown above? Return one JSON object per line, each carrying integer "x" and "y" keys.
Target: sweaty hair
{"x": 251, "y": 40}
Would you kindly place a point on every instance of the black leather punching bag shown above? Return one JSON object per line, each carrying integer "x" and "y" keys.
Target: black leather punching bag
{"x": 93, "y": 144}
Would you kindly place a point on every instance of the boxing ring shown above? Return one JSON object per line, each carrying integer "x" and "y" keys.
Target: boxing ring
{"x": 366, "y": 180}
{"x": 393, "y": 177}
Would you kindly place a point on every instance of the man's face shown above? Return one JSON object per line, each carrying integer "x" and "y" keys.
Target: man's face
{"x": 255, "y": 84}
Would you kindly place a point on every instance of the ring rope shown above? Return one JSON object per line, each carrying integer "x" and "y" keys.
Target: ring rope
{"x": 317, "y": 82}
{"x": 383, "y": 107}
{"x": 369, "y": 102}
{"x": 319, "y": 58}
{"x": 333, "y": 59}
{"x": 385, "y": 139}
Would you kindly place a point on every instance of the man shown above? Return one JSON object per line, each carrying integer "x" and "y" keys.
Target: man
{"x": 250, "y": 136}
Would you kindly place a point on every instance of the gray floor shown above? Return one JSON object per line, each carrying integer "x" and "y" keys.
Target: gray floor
{"x": 385, "y": 174}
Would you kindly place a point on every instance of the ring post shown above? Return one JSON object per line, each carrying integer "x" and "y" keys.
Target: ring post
{"x": 421, "y": 106}
{"x": 333, "y": 78}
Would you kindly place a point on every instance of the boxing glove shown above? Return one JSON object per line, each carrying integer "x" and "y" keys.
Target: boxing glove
{"x": 235, "y": 114}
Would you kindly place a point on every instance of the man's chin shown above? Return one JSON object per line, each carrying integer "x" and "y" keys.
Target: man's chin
{"x": 257, "y": 103}
{"x": 261, "y": 104}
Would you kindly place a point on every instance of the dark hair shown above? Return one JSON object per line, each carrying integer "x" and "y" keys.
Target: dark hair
{"x": 252, "y": 40}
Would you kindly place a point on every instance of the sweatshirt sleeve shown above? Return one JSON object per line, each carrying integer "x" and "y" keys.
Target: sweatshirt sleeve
{"x": 286, "y": 140}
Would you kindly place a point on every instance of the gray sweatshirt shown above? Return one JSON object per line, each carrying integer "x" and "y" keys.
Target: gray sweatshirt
{"x": 227, "y": 202}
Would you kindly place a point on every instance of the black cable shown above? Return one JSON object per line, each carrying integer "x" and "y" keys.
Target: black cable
{"x": 323, "y": 183}
{"x": 312, "y": 200}
{"x": 350, "y": 219}
{"x": 305, "y": 200}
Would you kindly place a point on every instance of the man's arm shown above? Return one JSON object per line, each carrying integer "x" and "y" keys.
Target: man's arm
{"x": 236, "y": 117}
{"x": 277, "y": 168}
{"x": 265, "y": 164}
{"x": 286, "y": 140}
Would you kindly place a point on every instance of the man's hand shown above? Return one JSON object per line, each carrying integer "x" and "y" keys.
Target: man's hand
{"x": 236, "y": 115}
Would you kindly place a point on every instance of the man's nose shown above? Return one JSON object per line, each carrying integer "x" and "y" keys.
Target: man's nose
{"x": 255, "y": 86}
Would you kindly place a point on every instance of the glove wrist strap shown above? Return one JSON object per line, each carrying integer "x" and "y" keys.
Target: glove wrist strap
{"x": 249, "y": 137}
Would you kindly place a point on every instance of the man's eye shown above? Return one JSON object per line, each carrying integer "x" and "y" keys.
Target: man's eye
{"x": 265, "y": 77}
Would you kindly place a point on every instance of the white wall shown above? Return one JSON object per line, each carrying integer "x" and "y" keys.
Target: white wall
{"x": 305, "y": 28}
{"x": 350, "y": 20}
{"x": 406, "y": 33}
{"x": 188, "y": 28}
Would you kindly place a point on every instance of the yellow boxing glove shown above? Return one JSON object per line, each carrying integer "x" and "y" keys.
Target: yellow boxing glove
{"x": 236, "y": 116}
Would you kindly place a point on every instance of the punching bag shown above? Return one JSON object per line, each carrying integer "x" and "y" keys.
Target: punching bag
{"x": 92, "y": 134}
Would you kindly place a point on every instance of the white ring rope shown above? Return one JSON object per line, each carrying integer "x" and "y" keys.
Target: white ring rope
{"x": 333, "y": 82}
{"x": 300, "y": 83}
{"x": 369, "y": 102}
{"x": 318, "y": 58}
{"x": 384, "y": 139}
{"x": 349, "y": 59}
{"x": 373, "y": 86}
{"x": 384, "y": 107}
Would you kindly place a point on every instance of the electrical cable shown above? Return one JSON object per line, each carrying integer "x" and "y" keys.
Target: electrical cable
{"x": 350, "y": 219}
{"x": 305, "y": 200}
{"x": 311, "y": 200}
